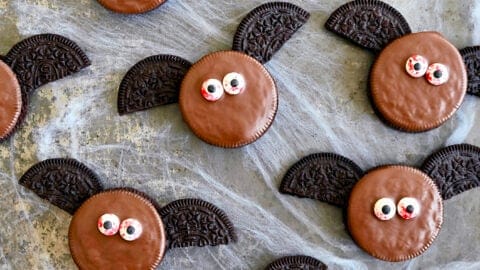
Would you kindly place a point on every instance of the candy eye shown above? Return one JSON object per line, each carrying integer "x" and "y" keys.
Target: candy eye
{"x": 408, "y": 208}
{"x": 130, "y": 229}
{"x": 108, "y": 224}
{"x": 212, "y": 89}
{"x": 416, "y": 66}
{"x": 437, "y": 74}
{"x": 384, "y": 209}
{"x": 234, "y": 83}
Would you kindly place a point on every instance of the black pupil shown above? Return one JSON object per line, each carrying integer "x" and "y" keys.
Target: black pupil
{"x": 410, "y": 209}
{"x": 437, "y": 74}
{"x": 234, "y": 83}
{"x": 386, "y": 209}
{"x": 211, "y": 88}
{"x": 107, "y": 225}
{"x": 417, "y": 66}
{"x": 130, "y": 230}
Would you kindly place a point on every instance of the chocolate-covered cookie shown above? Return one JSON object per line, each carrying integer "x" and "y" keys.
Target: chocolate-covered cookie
{"x": 131, "y": 6}
{"x": 228, "y": 98}
{"x": 420, "y": 100}
{"x": 10, "y": 100}
{"x": 418, "y": 81}
{"x": 230, "y": 120}
{"x": 117, "y": 229}
{"x": 123, "y": 228}
{"x": 394, "y": 212}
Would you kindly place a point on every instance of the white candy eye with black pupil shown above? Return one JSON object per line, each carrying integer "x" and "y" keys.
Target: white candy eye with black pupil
{"x": 130, "y": 229}
{"x": 437, "y": 74}
{"x": 212, "y": 89}
{"x": 234, "y": 83}
{"x": 384, "y": 209}
{"x": 408, "y": 208}
{"x": 416, "y": 66}
{"x": 108, "y": 224}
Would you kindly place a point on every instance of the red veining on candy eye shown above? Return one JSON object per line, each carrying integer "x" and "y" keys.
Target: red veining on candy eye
{"x": 207, "y": 95}
{"x": 405, "y": 214}
{"x": 410, "y": 64}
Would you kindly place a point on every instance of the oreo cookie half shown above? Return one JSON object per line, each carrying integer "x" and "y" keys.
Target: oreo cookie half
{"x": 471, "y": 57}
{"x": 266, "y": 28}
{"x": 41, "y": 59}
{"x": 299, "y": 262}
{"x": 327, "y": 177}
{"x": 154, "y": 81}
{"x": 454, "y": 169}
{"x": 371, "y": 24}
{"x": 194, "y": 222}
{"x": 66, "y": 183}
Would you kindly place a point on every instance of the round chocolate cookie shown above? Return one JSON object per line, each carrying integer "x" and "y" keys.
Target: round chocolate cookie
{"x": 10, "y": 100}
{"x": 232, "y": 120}
{"x": 93, "y": 249}
{"x": 131, "y": 6}
{"x": 427, "y": 97}
{"x": 394, "y": 212}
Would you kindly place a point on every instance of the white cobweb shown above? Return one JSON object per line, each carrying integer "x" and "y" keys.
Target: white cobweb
{"x": 323, "y": 107}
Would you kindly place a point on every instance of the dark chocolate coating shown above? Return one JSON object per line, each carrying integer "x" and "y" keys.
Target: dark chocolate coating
{"x": 233, "y": 120}
{"x": 396, "y": 239}
{"x": 413, "y": 104}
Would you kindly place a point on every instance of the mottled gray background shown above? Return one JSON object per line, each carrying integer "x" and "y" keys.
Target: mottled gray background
{"x": 323, "y": 107}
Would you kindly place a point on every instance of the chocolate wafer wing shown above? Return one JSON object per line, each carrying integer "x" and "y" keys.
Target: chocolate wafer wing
{"x": 371, "y": 24}
{"x": 471, "y": 57}
{"x": 194, "y": 222}
{"x": 41, "y": 59}
{"x": 327, "y": 177}
{"x": 454, "y": 169}
{"x": 152, "y": 82}
{"x": 297, "y": 262}
{"x": 66, "y": 183}
{"x": 266, "y": 28}
{"x": 45, "y": 58}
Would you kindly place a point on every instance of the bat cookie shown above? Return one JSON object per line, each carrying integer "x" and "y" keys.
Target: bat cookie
{"x": 418, "y": 80}
{"x": 123, "y": 228}
{"x": 227, "y": 98}
{"x": 393, "y": 212}
{"x": 31, "y": 63}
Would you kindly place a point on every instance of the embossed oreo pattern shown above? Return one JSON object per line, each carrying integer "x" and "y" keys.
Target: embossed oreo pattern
{"x": 66, "y": 183}
{"x": 384, "y": 23}
{"x": 299, "y": 262}
{"x": 152, "y": 82}
{"x": 42, "y": 59}
{"x": 454, "y": 169}
{"x": 266, "y": 28}
{"x": 471, "y": 57}
{"x": 194, "y": 222}
{"x": 327, "y": 177}
{"x": 45, "y": 58}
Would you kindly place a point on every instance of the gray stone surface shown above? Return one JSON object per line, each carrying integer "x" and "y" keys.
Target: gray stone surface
{"x": 323, "y": 107}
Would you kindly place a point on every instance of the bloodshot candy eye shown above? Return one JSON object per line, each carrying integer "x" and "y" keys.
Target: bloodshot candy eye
{"x": 212, "y": 89}
{"x": 408, "y": 208}
{"x": 108, "y": 224}
{"x": 234, "y": 83}
{"x": 130, "y": 229}
{"x": 437, "y": 74}
{"x": 384, "y": 209}
{"x": 416, "y": 66}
